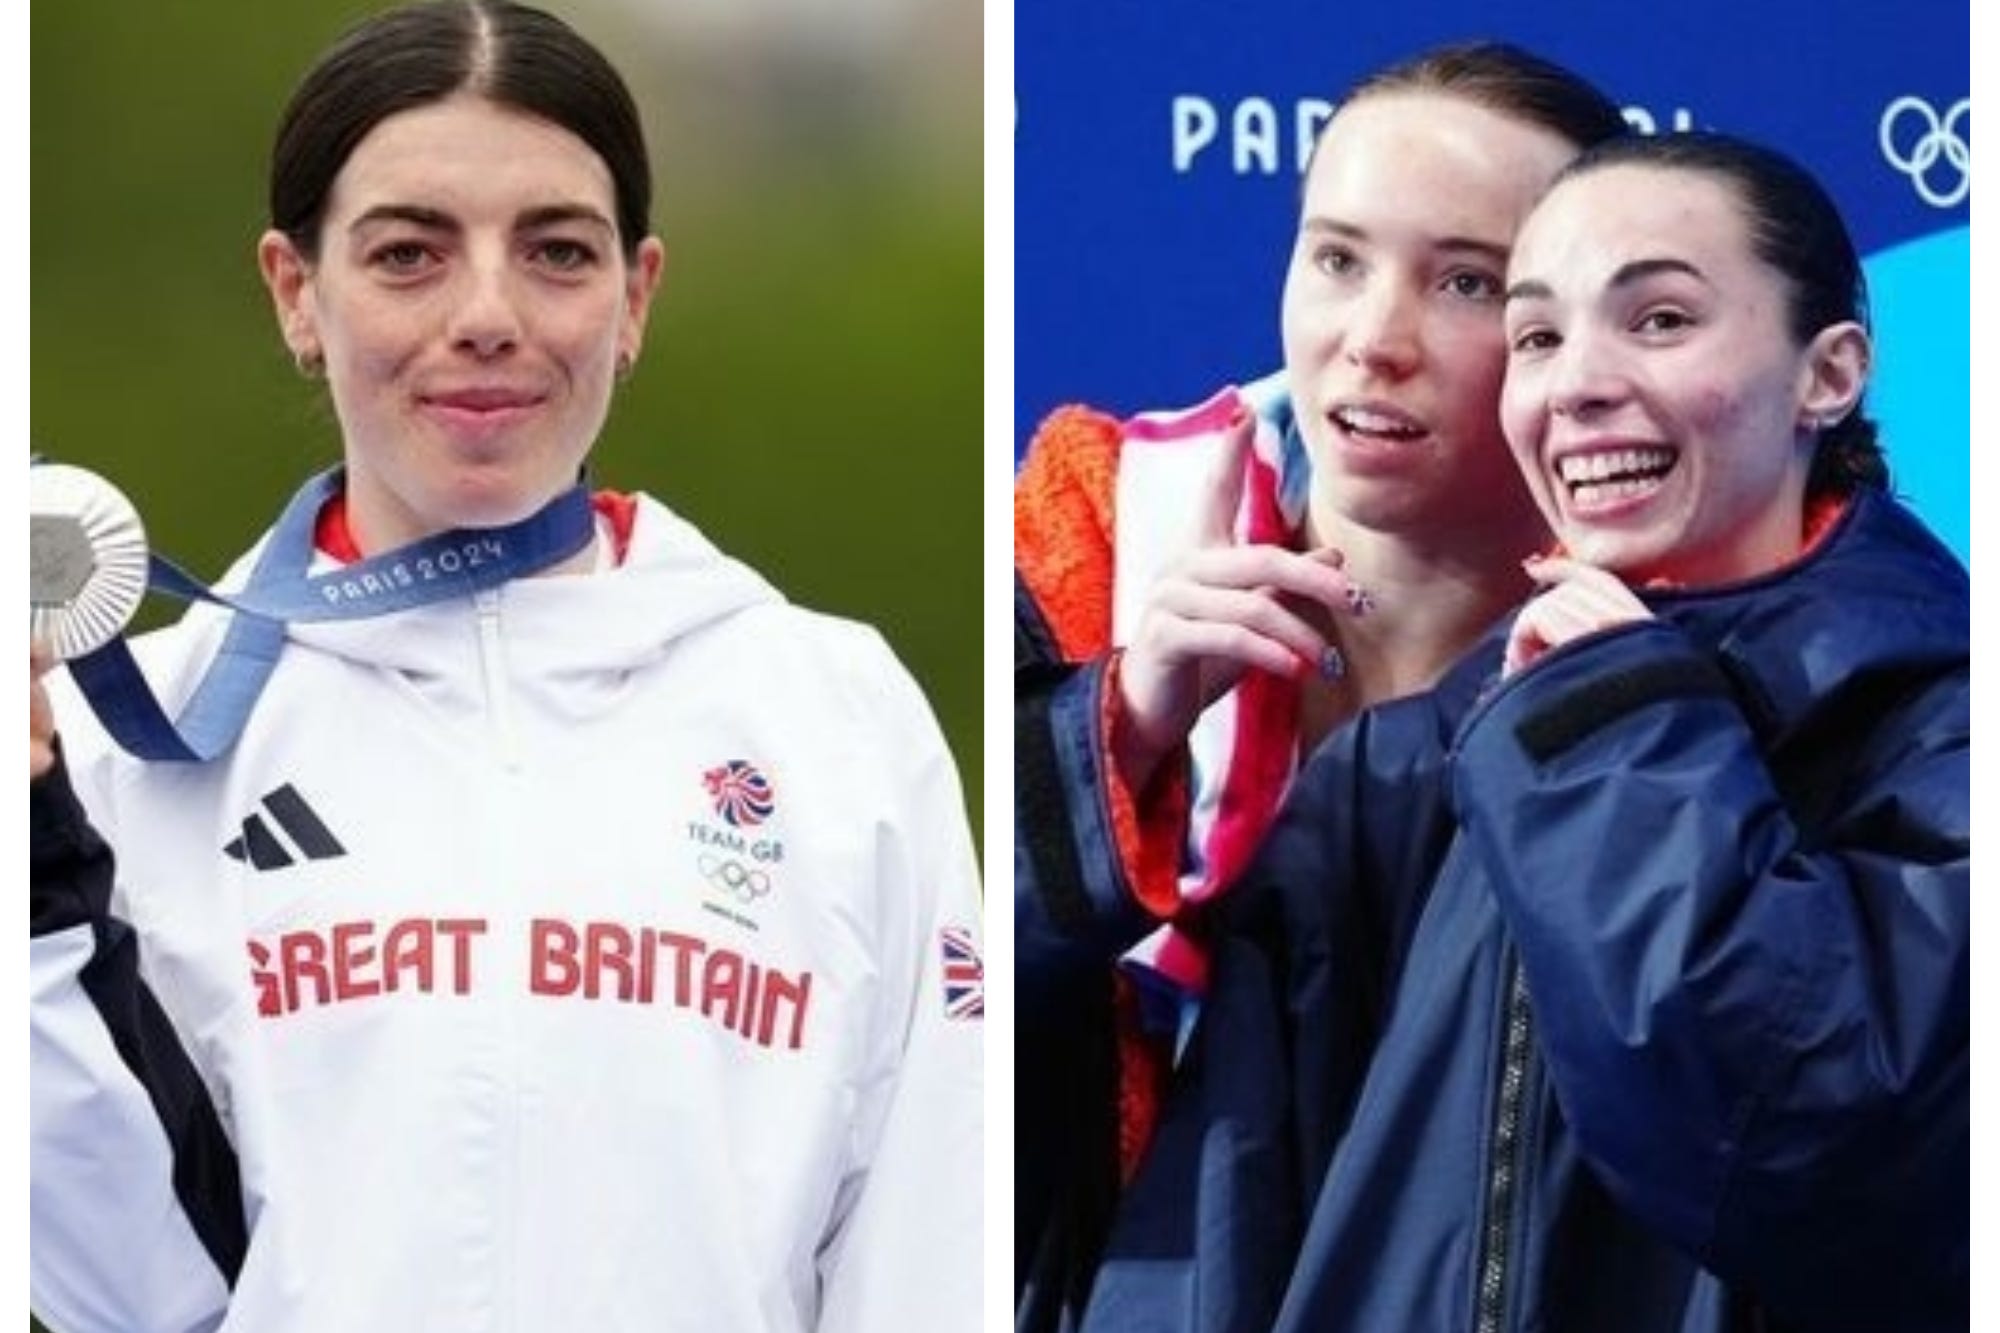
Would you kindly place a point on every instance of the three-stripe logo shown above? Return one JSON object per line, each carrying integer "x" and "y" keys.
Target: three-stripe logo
{"x": 304, "y": 834}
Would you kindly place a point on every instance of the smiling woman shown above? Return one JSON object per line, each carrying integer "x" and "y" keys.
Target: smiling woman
{"x": 1667, "y": 392}
{"x": 1621, "y": 980}
{"x": 470, "y": 299}
{"x": 588, "y": 888}
{"x": 1688, "y": 354}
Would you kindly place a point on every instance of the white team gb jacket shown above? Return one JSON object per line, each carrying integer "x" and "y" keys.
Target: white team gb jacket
{"x": 601, "y": 953}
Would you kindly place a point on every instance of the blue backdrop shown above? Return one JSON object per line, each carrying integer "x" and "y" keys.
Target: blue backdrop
{"x": 1158, "y": 146}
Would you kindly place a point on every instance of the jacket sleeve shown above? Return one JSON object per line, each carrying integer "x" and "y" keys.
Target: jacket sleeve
{"x": 1752, "y": 995}
{"x": 135, "y": 1206}
{"x": 1304, "y": 944}
{"x": 906, "y": 1249}
{"x": 1075, "y": 907}
{"x": 1094, "y": 862}
{"x": 1094, "y": 867}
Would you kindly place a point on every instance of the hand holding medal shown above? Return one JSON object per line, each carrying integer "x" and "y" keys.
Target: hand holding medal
{"x": 89, "y": 569}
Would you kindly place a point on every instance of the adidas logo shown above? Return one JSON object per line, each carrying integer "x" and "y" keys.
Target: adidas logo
{"x": 305, "y": 836}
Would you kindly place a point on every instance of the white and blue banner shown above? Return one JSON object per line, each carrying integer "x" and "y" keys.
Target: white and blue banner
{"x": 1159, "y": 146}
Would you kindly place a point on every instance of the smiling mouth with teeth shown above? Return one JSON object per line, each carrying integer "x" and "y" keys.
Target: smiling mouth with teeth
{"x": 1616, "y": 474}
{"x": 1376, "y": 425}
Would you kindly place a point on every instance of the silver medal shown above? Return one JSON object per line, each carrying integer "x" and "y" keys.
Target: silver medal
{"x": 86, "y": 559}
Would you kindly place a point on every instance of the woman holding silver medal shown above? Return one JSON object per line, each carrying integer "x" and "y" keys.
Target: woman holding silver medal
{"x": 412, "y": 1007}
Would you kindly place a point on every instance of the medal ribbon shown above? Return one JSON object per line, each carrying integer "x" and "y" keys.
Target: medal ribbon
{"x": 280, "y": 590}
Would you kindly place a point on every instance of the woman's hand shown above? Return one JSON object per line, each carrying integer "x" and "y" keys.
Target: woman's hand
{"x": 1215, "y": 612}
{"x": 41, "y": 720}
{"x": 1577, "y": 599}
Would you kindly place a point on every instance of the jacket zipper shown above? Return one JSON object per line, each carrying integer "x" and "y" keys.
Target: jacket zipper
{"x": 493, "y": 667}
{"x": 1504, "y": 1175}
{"x": 503, "y": 1293}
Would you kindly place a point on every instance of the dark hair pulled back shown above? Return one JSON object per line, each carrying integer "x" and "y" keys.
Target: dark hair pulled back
{"x": 515, "y": 56}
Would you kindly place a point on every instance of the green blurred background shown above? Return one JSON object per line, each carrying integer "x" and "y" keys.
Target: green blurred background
{"x": 810, "y": 389}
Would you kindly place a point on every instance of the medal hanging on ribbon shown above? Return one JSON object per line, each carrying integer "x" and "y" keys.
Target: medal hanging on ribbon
{"x": 89, "y": 569}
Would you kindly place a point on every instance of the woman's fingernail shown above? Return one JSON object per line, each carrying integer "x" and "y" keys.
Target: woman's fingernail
{"x": 1332, "y": 666}
{"x": 1360, "y": 601}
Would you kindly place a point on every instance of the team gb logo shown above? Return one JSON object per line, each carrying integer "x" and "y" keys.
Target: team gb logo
{"x": 740, "y": 793}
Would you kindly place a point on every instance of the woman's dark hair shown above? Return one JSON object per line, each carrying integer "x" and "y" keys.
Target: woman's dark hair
{"x": 423, "y": 53}
{"x": 1795, "y": 228}
{"x": 1509, "y": 81}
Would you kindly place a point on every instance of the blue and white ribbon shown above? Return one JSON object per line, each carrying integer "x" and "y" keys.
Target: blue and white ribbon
{"x": 281, "y": 590}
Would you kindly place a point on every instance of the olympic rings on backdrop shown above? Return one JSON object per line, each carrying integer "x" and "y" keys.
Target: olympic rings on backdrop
{"x": 1938, "y": 139}
{"x": 744, "y": 883}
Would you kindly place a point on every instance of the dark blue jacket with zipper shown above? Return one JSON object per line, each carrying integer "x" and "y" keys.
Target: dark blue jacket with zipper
{"x": 1628, "y": 994}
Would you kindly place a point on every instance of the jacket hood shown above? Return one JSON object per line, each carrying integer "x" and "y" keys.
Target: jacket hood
{"x": 673, "y": 583}
{"x": 1877, "y": 594}
{"x": 1880, "y": 594}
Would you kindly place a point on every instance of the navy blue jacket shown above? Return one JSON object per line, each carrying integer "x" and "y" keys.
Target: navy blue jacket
{"x": 1628, "y": 994}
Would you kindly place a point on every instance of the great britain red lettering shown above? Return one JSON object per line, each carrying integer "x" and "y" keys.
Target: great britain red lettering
{"x": 604, "y": 960}
{"x": 591, "y": 960}
{"x": 355, "y": 959}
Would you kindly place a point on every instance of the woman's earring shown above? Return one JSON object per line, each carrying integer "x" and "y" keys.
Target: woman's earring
{"x": 310, "y": 361}
{"x": 624, "y": 365}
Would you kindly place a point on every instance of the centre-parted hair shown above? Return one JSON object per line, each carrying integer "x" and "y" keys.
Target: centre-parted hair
{"x": 513, "y": 55}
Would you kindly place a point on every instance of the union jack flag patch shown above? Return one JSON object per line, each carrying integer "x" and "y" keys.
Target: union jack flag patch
{"x": 964, "y": 974}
